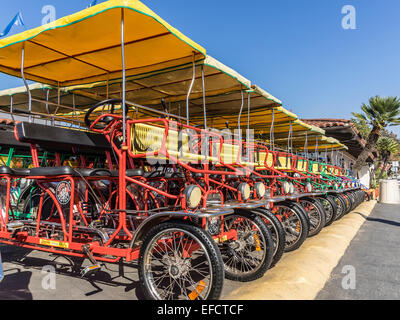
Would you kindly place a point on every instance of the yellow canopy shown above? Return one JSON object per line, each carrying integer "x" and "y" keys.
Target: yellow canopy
{"x": 222, "y": 91}
{"x": 16, "y": 100}
{"x": 85, "y": 47}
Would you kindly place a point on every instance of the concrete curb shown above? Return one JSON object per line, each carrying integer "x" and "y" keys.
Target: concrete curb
{"x": 301, "y": 274}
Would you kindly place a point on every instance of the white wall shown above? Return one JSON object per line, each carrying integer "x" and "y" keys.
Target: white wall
{"x": 364, "y": 176}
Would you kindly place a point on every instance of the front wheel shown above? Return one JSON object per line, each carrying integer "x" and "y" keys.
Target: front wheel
{"x": 179, "y": 261}
{"x": 249, "y": 255}
{"x": 294, "y": 222}
{"x": 277, "y": 232}
{"x": 316, "y": 213}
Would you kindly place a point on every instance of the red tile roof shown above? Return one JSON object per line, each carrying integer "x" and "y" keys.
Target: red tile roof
{"x": 326, "y": 123}
{"x": 331, "y": 123}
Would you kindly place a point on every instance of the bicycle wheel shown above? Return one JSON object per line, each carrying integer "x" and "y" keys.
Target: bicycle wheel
{"x": 179, "y": 261}
{"x": 277, "y": 232}
{"x": 250, "y": 255}
{"x": 316, "y": 213}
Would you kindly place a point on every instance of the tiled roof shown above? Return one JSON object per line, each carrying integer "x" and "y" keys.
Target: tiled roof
{"x": 328, "y": 123}
{"x": 336, "y": 128}
{"x": 331, "y": 123}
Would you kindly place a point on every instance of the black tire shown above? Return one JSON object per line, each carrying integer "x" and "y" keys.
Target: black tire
{"x": 341, "y": 204}
{"x": 302, "y": 226}
{"x": 299, "y": 208}
{"x": 330, "y": 209}
{"x": 353, "y": 204}
{"x": 31, "y": 204}
{"x": 346, "y": 202}
{"x": 249, "y": 257}
{"x": 317, "y": 217}
{"x": 335, "y": 208}
{"x": 215, "y": 264}
{"x": 277, "y": 233}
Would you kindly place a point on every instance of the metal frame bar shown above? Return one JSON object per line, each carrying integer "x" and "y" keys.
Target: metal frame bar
{"x": 240, "y": 115}
{"x": 190, "y": 89}
{"x": 26, "y": 83}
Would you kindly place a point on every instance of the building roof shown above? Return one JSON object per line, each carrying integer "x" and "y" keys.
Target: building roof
{"x": 343, "y": 130}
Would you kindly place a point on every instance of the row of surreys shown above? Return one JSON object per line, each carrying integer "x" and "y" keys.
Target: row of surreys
{"x": 117, "y": 180}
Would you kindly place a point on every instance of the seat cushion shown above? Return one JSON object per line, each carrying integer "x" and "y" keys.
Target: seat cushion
{"x": 22, "y": 172}
{"x": 53, "y": 171}
{"x": 90, "y": 172}
{"x": 130, "y": 173}
{"x": 162, "y": 174}
{"x": 61, "y": 139}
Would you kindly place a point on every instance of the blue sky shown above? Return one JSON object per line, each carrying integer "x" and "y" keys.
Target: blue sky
{"x": 295, "y": 49}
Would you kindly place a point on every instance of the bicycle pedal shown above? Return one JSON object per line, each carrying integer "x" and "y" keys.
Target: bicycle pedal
{"x": 89, "y": 270}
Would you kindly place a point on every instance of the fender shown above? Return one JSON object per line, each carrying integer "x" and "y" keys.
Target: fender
{"x": 158, "y": 218}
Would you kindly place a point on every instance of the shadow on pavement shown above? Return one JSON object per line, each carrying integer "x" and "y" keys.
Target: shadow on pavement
{"x": 15, "y": 286}
{"x": 390, "y": 222}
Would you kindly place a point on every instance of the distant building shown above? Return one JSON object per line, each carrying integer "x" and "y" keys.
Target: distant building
{"x": 395, "y": 167}
{"x": 346, "y": 132}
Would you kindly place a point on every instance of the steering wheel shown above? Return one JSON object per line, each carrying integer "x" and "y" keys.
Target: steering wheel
{"x": 105, "y": 120}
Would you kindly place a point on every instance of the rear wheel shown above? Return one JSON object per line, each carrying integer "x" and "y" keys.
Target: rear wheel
{"x": 330, "y": 209}
{"x": 277, "y": 232}
{"x": 316, "y": 213}
{"x": 179, "y": 261}
{"x": 346, "y": 202}
{"x": 341, "y": 206}
{"x": 250, "y": 255}
{"x": 295, "y": 224}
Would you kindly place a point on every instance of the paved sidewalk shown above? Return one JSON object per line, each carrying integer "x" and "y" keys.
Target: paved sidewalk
{"x": 375, "y": 255}
{"x": 301, "y": 274}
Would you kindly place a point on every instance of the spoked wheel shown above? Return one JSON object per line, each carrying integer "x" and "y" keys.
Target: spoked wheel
{"x": 316, "y": 213}
{"x": 354, "y": 201}
{"x": 346, "y": 201}
{"x": 277, "y": 233}
{"x": 294, "y": 223}
{"x": 250, "y": 255}
{"x": 330, "y": 209}
{"x": 341, "y": 206}
{"x": 179, "y": 261}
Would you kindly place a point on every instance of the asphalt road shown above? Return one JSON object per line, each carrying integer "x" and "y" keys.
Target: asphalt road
{"x": 24, "y": 277}
{"x": 374, "y": 254}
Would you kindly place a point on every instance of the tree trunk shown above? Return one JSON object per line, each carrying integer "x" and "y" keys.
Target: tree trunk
{"x": 369, "y": 147}
{"x": 373, "y": 172}
{"x": 385, "y": 161}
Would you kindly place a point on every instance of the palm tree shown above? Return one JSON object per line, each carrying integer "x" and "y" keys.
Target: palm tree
{"x": 380, "y": 113}
{"x": 386, "y": 147}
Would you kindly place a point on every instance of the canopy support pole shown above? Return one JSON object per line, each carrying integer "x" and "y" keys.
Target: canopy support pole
{"x": 123, "y": 75}
{"x": 190, "y": 89}
{"x": 316, "y": 149}
{"x": 122, "y": 155}
{"x": 12, "y": 107}
{"x": 306, "y": 147}
{"x": 58, "y": 105}
{"x": 326, "y": 154}
{"x": 240, "y": 115}
{"x": 47, "y": 105}
{"x": 248, "y": 116}
{"x": 108, "y": 86}
{"x": 26, "y": 83}
{"x": 204, "y": 98}
{"x": 271, "y": 132}
{"x": 289, "y": 145}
